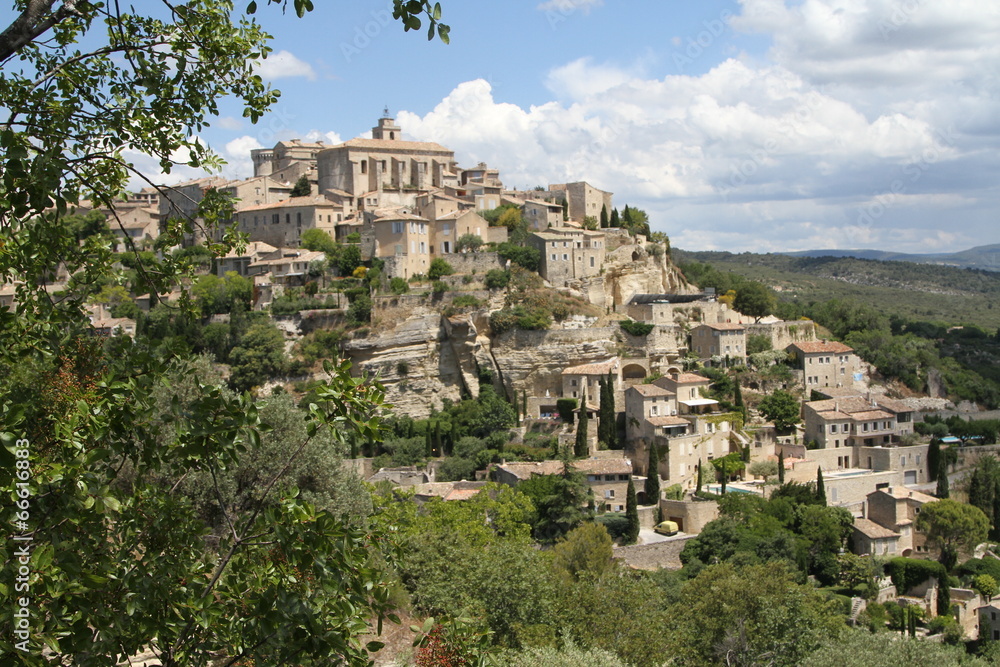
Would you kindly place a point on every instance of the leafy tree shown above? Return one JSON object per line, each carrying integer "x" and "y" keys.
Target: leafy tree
{"x": 750, "y": 615}
{"x": 782, "y": 408}
{"x": 584, "y": 552}
{"x": 581, "y": 448}
{"x": 439, "y": 268}
{"x": 318, "y": 239}
{"x": 524, "y": 256}
{"x": 985, "y": 585}
{"x": 652, "y": 486}
{"x": 348, "y": 259}
{"x": 302, "y": 187}
{"x": 470, "y": 242}
{"x": 952, "y": 526}
{"x": 860, "y": 648}
{"x": 632, "y": 514}
{"x": 258, "y": 356}
{"x": 764, "y": 468}
{"x": 754, "y": 299}
{"x": 496, "y": 279}
{"x": 559, "y": 501}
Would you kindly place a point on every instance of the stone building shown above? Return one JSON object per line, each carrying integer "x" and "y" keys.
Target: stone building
{"x": 282, "y": 223}
{"x": 826, "y": 363}
{"x": 584, "y": 200}
{"x": 568, "y": 254}
{"x": 607, "y": 478}
{"x": 718, "y": 339}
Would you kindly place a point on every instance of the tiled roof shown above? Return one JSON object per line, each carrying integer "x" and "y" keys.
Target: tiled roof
{"x": 253, "y": 248}
{"x": 525, "y": 469}
{"x": 822, "y": 347}
{"x": 723, "y": 326}
{"x": 601, "y": 368}
{"x": 396, "y": 216}
{"x": 303, "y": 256}
{"x": 394, "y": 144}
{"x": 689, "y": 378}
{"x": 651, "y": 390}
{"x": 833, "y": 415}
{"x": 902, "y": 493}
{"x": 618, "y": 466}
{"x": 871, "y": 529}
{"x": 871, "y": 414}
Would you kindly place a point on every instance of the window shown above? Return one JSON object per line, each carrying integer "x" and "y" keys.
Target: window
{"x": 593, "y": 478}
{"x": 397, "y": 228}
{"x": 565, "y": 257}
{"x": 622, "y": 478}
{"x": 609, "y": 478}
{"x": 288, "y": 218}
{"x": 423, "y": 247}
{"x": 275, "y": 219}
{"x": 572, "y": 383}
{"x": 833, "y": 428}
{"x": 553, "y": 258}
{"x": 609, "y": 493}
{"x": 399, "y": 249}
{"x": 591, "y": 262}
{"x": 653, "y": 411}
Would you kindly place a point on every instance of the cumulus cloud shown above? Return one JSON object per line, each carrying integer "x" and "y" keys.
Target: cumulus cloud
{"x": 741, "y": 157}
{"x": 285, "y": 65}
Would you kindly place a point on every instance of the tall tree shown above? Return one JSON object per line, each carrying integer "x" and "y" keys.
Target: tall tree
{"x": 302, "y": 187}
{"x": 754, "y": 299}
{"x": 942, "y": 490}
{"x": 933, "y": 459}
{"x": 820, "y": 486}
{"x": 782, "y": 408}
{"x": 607, "y": 428}
{"x": 581, "y": 448}
{"x": 781, "y": 467}
{"x": 604, "y": 216}
{"x": 615, "y": 221}
{"x": 952, "y": 527}
{"x": 697, "y": 488}
{"x": 632, "y": 514}
{"x": 652, "y": 486}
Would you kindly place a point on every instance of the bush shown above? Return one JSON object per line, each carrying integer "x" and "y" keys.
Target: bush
{"x": 616, "y": 524}
{"x": 468, "y": 242}
{"x": 398, "y": 286}
{"x": 529, "y": 258}
{"x": 674, "y": 492}
{"x": 565, "y": 407}
{"x": 909, "y": 572}
{"x": 439, "y": 287}
{"x": 757, "y": 343}
{"x": 466, "y": 301}
{"x": 636, "y": 328}
{"x": 496, "y": 279}
{"x": 360, "y": 310}
{"x": 439, "y": 268}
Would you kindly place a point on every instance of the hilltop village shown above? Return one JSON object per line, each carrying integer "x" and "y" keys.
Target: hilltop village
{"x": 563, "y": 317}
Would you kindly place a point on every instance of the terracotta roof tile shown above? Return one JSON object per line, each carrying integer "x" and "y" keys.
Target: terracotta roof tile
{"x": 822, "y": 347}
{"x": 873, "y": 530}
{"x": 651, "y": 390}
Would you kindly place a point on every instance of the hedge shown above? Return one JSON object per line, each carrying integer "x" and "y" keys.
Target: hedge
{"x": 907, "y": 573}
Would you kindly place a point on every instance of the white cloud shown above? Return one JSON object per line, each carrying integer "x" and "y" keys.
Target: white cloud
{"x": 569, "y": 6}
{"x": 284, "y": 65}
{"x": 229, "y": 123}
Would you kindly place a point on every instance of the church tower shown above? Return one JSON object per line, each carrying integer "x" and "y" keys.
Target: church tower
{"x": 386, "y": 130}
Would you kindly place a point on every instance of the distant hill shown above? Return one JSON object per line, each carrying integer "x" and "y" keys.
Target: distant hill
{"x": 984, "y": 257}
{"x": 918, "y": 291}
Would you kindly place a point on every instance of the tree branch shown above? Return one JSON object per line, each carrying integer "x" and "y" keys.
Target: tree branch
{"x": 36, "y": 19}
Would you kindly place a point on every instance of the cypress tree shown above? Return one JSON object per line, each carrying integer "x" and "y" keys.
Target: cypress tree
{"x": 697, "y": 488}
{"x": 738, "y": 400}
{"x": 565, "y": 207}
{"x": 652, "y": 487}
{"x": 612, "y": 414}
{"x": 524, "y": 402}
{"x": 933, "y": 459}
{"x": 602, "y": 424}
{"x": 820, "y": 487}
{"x": 632, "y": 514}
{"x": 428, "y": 444}
{"x": 580, "y": 449}
{"x": 781, "y": 467}
{"x": 437, "y": 439}
{"x": 722, "y": 491}
{"x": 942, "y": 480}
{"x": 302, "y": 187}
{"x": 615, "y": 221}
{"x": 943, "y": 599}
{"x": 604, "y": 215}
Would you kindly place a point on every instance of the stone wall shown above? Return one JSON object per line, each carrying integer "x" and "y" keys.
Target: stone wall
{"x": 474, "y": 262}
{"x": 783, "y": 334}
{"x": 691, "y": 515}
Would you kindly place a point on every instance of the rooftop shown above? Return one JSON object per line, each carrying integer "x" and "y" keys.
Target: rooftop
{"x": 869, "y": 528}
{"x": 821, "y": 347}
{"x": 723, "y": 326}
{"x": 651, "y": 390}
{"x": 600, "y": 368}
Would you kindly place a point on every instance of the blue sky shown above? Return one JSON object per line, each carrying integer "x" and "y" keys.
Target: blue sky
{"x": 755, "y": 125}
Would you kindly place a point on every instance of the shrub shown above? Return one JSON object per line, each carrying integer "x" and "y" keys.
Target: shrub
{"x": 468, "y": 242}
{"x": 674, "y": 492}
{"x": 616, "y": 524}
{"x": 496, "y": 279}
{"x": 565, "y": 408}
{"x": 909, "y": 572}
{"x": 466, "y": 301}
{"x": 439, "y": 268}
{"x": 636, "y": 328}
{"x": 439, "y": 287}
{"x": 398, "y": 286}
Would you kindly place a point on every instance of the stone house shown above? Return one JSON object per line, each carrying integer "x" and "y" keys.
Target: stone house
{"x": 255, "y": 251}
{"x": 869, "y": 538}
{"x": 140, "y": 224}
{"x": 583, "y": 199}
{"x": 678, "y": 309}
{"x": 989, "y": 621}
{"x": 826, "y": 363}
{"x": 896, "y": 508}
{"x": 290, "y": 267}
{"x": 542, "y": 215}
{"x": 651, "y": 411}
{"x": 568, "y": 254}
{"x": 719, "y": 339}
{"x": 576, "y": 379}
{"x": 287, "y": 160}
{"x": 607, "y": 478}
{"x": 399, "y": 234}
{"x": 849, "y": 421}
{"x": 182, "y": 201}
{"x": 282, "y": 223}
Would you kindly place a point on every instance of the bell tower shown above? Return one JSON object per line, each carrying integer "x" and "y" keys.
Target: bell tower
{"x": 386, "y": 130}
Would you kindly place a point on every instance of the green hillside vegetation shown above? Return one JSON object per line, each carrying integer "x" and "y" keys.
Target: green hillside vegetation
{"x": 889, "y": 326}
{"x": 911, "y": 291}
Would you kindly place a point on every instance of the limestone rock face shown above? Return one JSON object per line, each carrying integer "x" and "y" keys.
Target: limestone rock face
{"x": 533, "y": 360}
{"x": 631, "y": 270}
{"x": 413, "y": 360}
